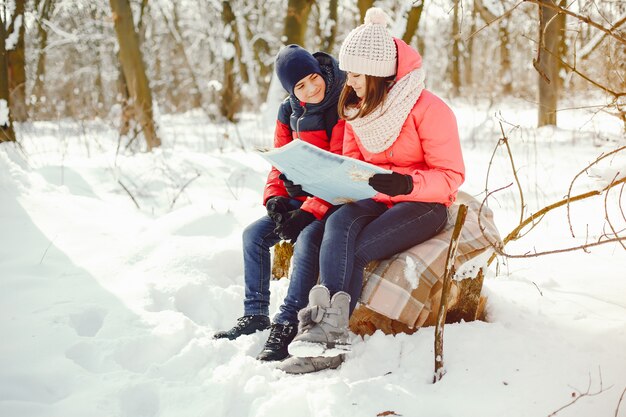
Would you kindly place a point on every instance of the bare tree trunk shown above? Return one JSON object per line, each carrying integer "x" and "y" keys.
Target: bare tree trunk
{"x": 17, "y": 67}
{"x": 506, "y": 76}
{"x": 455, "y": 70}
{"x": 363, "y": 5}
{"x": 175, "y": 32}
{"x": 333, "y": 19}
{"x": 413, "y": 20}
{"x": 296, "y": 21}
{"x": 468, "y": 71}
{"x": 6, "y": 124}
{"x": 43, "y": 8}
{"x": 230, "y": 98}
{"x": 547, "y": 64}
{"x": 134, "y": 70}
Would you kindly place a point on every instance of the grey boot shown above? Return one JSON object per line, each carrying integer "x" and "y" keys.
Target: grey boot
{"x": 295, "y": 365}
{"x": 323, "y": 327}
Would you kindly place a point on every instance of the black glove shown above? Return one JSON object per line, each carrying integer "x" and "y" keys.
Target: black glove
{"x": 294, "y": 190}
{"x": 292, "y": 223}
{"x": 276, "y": 206}
{"x": 392, "y": 184}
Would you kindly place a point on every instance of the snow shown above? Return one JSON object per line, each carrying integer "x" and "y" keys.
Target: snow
{"x": 4, "y": 112}
{"x": 109, "y": 310}
{"x": 13, "y": 38}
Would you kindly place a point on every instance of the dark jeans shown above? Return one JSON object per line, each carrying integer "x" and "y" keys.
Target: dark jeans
{"x": 258, "y": 238}
{"x": 365, "y": 230}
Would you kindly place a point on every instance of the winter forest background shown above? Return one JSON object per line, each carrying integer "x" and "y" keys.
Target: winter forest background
{"x": 129, "y": 169}
{"x": 63, "y": 60}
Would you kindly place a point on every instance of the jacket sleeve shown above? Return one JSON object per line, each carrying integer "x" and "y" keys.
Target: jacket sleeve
{"x": 350, "y": 146}
{"x": 336, "y": 137}
{"x": 282, "y": 136}
{"x": 440, "y": 142}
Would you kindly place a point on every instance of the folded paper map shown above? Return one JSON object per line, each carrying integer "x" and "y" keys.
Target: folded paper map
{"x": 335, "y": 178}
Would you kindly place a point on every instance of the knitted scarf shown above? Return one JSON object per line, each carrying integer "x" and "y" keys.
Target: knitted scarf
{"x": 380, "y": 129}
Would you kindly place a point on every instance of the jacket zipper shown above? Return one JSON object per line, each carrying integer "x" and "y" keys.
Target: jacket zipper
{"x": 298, "y": 122}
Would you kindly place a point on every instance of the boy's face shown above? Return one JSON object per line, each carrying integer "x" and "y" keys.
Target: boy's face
{"x": 310, "y": 89}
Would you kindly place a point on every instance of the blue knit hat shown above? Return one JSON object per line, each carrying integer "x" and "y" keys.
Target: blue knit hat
{"x": 293, "y": 63}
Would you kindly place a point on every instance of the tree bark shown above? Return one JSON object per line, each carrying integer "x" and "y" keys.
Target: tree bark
{"x": 230, "y": 102}
{"x": 468, "y": 52}
{"x": 455, "y": 69}
{"x": 17, "y": 67}
{"x": 550, "y": 32}
{"x": 175, "y": 33}
{"x": 412, "y": 21}
{"x": 363, "y": 5}
{"x": 447, "y": 282}
{"x": 7, "y": 134}
{"x": 506, "y": 76}
{"x": 296, "y": 21}
{"x": 43, "y": 7}
{"x": 333, "y": 19}
{"x": 134, "y": 70}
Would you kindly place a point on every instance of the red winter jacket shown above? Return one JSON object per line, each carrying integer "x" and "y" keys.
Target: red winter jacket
{"x": 311, "y": 123}
{"x": 428, "y": 147}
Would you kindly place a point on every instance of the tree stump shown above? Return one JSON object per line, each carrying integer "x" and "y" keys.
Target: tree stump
{"x": 465, "y": 302}
{"x": 283, "y": 251}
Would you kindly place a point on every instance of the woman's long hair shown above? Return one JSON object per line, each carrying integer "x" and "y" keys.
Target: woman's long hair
{"x": 376, "y": 89}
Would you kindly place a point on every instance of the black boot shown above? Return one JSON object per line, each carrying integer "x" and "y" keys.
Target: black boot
{"x": 245, "y": 325}
{"x": 275, "y": 348}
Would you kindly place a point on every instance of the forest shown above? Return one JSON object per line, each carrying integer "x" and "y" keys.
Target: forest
{"x": 125, "y": 61}
{"x": 130, "y": 133}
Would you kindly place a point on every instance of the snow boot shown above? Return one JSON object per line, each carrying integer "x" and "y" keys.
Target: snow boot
{"x": 295, "y": 365}
{"x": 275, "y": 348}
{"x": 323, "y": 327}
{"x": 245, "y": 325}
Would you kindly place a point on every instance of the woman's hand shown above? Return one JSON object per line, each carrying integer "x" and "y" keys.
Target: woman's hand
{"x": 392, "y": 184}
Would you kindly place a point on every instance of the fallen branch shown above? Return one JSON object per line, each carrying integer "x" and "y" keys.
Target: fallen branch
{"x": 580, "y": 395}
{"x": 183, "y": 189}
{"x": 129, "y": 193}
{"x": 447, "y": 281}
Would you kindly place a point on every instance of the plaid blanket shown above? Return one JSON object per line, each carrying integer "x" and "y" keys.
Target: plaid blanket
{"x": 404, "y": 286}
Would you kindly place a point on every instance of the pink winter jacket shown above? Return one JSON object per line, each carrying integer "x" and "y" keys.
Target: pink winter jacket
{"x": 428, "y": 147}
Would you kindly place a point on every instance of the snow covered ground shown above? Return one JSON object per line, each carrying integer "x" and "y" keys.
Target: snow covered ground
{"x": 108, "y": 303}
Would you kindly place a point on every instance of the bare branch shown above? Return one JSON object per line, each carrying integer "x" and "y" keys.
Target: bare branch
{"x": 584, "y": 170}
{"x": 183, "y": 189}
{"x": 514, "y": 234}
{"x": 620, "y": 402}
{"x": 610, "y": 31}
{"x": 580, "y": 395}
{"x": 129, "y": 193}
{"x": 591, "y": 46}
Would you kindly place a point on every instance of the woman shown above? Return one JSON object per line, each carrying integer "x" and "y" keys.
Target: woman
{"x": 392, "y": 122}
{"x": 310, "y": 114}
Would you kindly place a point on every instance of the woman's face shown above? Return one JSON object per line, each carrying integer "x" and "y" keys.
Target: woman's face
{"x": 310, "y": 89}
{"x": 358, "y": 83}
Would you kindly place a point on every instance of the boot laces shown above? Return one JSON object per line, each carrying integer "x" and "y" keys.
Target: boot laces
{"x": 278, "y": 336}
{"x": 243, "y": 322}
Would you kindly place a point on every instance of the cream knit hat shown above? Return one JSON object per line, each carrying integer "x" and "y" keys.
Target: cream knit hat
{"x": 369, "y": 49}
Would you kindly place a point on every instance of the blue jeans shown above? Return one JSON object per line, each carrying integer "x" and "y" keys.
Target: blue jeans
{"x": 258, "y": 238}
{"x": 366, "y": 230}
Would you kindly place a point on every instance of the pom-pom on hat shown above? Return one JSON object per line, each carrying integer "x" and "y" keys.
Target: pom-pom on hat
{"x": 293, "y": 63}
{"x": 370, "y": 49}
